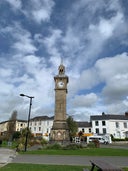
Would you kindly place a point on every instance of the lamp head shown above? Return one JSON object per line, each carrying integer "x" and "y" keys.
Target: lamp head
{"x": 22, "y": 95}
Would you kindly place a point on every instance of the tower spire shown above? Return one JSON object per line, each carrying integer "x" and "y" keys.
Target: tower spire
{"x": 61, "y": 61}
{"x": 61, "y": 68}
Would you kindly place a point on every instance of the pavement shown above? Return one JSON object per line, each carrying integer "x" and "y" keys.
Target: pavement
{"x": 10, "y": 156}
{"x": 6, "y": 156}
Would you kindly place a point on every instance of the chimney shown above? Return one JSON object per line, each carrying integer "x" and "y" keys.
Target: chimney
{"x": 126, "y": 113}
{"x": 103, "y": 113}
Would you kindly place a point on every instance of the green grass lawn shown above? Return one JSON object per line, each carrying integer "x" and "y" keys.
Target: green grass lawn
{"x": 82, "y": 152}
{"x": 39, "y": 167}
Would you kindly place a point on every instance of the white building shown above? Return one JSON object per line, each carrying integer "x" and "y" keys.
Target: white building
{"x": 41, "y": 126}
{"x": 19, "y": 125}
{"x": 84, "y": 127}
{"x": 116, "y": 125}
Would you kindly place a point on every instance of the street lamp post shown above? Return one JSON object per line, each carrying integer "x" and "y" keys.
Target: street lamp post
{"x": 26, "y": 140}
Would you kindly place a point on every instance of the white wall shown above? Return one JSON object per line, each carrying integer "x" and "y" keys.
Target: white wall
{"x": 111, "y": 128}
{"x": 41, "y": 127}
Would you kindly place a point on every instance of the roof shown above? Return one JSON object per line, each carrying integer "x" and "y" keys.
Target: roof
{"x": 109, "y": 117}
{"x": 84, "y": 124}
{"x": 39, "y": 118}
{"x": 18, "y": 120}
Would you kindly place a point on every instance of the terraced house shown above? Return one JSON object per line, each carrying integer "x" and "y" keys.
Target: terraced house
{"x": 116, "y": 125}
{"x": 19, "y": 125}
{"x": 41, "y": 126}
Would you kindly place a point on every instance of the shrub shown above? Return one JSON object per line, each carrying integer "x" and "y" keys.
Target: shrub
{"x": 118, "y": 139}
{"x": 20, "y": 147}
{"x": 44, "y": 141}
{"x": 34, "y": 142}
{"x": 91, "y": 145}
{"x": 55, "y": 146}
{"x": 72, "y": 147}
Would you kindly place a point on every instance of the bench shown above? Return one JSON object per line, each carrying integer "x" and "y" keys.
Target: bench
{"x": 103, "y": 166}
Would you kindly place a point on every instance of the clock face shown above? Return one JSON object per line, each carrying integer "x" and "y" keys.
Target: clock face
{"x": 61, "y": 84}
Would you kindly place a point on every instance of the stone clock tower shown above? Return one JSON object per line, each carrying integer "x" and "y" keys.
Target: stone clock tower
{"x": 60, "y": 131}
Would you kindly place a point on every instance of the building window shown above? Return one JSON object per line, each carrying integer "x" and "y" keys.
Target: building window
{"x": 97, "y": 130}
{"x": 47, "y": 130}
{"x": 82, "y": 129}
{"x": 104, "y": 131}
{"x": 34, "y": 128}
{"x": 125, "y": 124}
{"x": 103, "y": 123}
{"x": 96, "y": 123}
{"x": 89, "y": 130}
{"x": 117, "y": 124}
{"x": 39, "y": 128}
{"x": 118, "y": 134}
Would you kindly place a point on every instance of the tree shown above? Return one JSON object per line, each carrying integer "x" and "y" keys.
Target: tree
{"x": 80, "y": 134}
{"x": 24, "y": 132}
{"x": 16, "y": 135}
{"x": 73, "y": 127}
{"x": 12, "y": 125}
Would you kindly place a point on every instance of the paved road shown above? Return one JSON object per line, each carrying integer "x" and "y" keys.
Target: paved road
{"x": 68, "y": 160}
{"x": 8, "y": 155}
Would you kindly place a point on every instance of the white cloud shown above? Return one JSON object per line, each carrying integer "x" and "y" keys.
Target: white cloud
{"x": 125, "y": 102}
{"x": 30, "y": 60}
{"x": 113, "y": 72}
{"x": 36, "y": 10}
{"x": 28, "y": 75}
{"x": 52, "y": 40}
{"x": 84, "y": 81}
{"x": 5, "y": 72}
{"x": 51, "y": 43}
{"x": 108, "y": 28}
{"x": 88, "y": 79}
{"x": 85, "y": 100}
{"x": 116, "y": 108}
{"x": 112, "y": 66}
{"x": 16, "y": 4}
{"x": 71, "y": 40}
{"x": 85, "y": 39}
{"x": 21, "y": 39}
{"x": 39, "y": 10}
{"x": 5, "y": 88}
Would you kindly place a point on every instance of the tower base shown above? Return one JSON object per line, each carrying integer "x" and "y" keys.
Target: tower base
{"x": 59, "y": 133}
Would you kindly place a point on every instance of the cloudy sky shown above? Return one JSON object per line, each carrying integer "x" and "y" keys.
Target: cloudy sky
{"x": 92, "y": 38}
